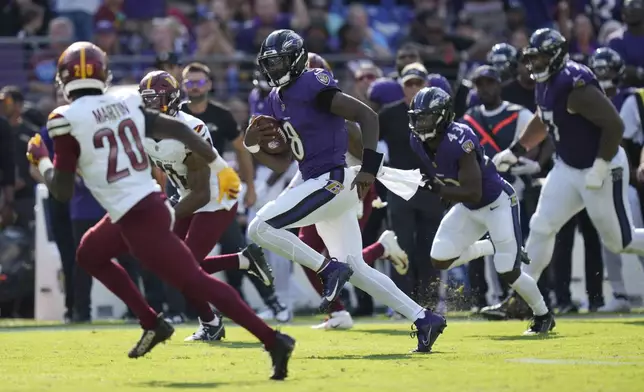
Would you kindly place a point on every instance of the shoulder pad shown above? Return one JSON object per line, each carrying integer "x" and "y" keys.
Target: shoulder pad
{"x": 57, "y": 124}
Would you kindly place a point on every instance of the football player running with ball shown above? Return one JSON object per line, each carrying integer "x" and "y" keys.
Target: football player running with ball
{"x": 208, "y": 197}
{"x": 592, "y": 169}
{"x": 101, "y": 136}
{"x": 312, "y": 111}
{"x": 459, "y": 171}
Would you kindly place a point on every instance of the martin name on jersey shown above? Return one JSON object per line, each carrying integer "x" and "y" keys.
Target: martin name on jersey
{"x": 169, "y": 155}
{"x": 106, "y": 128}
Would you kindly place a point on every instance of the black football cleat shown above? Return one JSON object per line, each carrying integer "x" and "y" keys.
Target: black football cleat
{"x": 497, "y": 311}
{"x": 428, "y": 329}
{"x": 334, "y": 276}
{"x": 513, "y": 307}
{"x": 280, "y": 355}
{"x": 208, "y": 333}
{"x": 541, "y": 325}
{"x": 151, "y": 337}
{"x": 258, "y": 265}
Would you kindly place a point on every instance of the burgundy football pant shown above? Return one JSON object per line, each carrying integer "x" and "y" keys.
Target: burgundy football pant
{"x": 201, "y": 232}
{"x": 309, "y": 235}
{"x": 145, "y": 232}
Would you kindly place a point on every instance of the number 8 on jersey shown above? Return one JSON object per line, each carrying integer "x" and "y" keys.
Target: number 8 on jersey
{"x": 297, "y": 147}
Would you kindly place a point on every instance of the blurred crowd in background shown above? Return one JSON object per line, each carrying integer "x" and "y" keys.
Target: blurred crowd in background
{"x": 362, "y": 41}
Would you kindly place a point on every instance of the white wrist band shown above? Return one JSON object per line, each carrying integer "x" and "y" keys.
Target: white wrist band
{"x": 44, "y": 165}
{"x": 252, "y": 149}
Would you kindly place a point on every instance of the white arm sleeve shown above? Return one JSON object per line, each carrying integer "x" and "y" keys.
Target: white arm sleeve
{"x": 524, "y": 118}
{"x": 632, "y": 122}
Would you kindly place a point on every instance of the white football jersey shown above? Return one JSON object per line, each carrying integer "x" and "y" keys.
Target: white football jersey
{"x": 110, "y": 130}
{"x": 170, "y": 155}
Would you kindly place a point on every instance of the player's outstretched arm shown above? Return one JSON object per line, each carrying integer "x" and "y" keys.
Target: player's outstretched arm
{"x": 161, "y": 126}
{"x": 546, "y": 149}
{"x": 470, "y": 189}
{"x": 355, "y": 140}
{"x": 533, "y": 134}
{"x": 349, "y": 108}
{"x": 59, "y": 176}
{"x": 198, "y": 180}
{"x": 592, "y": 104}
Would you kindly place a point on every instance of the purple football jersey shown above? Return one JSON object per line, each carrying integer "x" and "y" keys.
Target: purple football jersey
{"x": 576, "y": 139}
{"x": 459, "y": 139}
{"x": 629, "y": 47}
{"x": 384, "y": 91}
{"x": 318, "y": 139}
{"x": 257, "y": 102}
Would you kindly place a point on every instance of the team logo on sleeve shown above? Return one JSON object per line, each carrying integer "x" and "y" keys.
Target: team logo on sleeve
{"x": 198, "y": 128}
{"x": 578, "y": 81}
{"x": 468, "y": 146}
{"x": 323, "y": 78}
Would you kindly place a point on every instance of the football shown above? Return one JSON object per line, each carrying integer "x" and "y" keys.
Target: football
{"x": 279, "y": 144}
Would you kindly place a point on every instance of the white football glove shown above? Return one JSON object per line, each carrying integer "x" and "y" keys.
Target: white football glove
{"x": 525, "y": 167}
{"x": 597, "y": 174}
{"x": 504, "y": 160}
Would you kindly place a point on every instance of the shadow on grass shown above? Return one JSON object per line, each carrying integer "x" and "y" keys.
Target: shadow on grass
{"x": 180, "y": 385}
{"x": 383, "y": 331}
{"x": 551, "y": 335}
{"x": 625, "y": 321}
{"x": 638, "y": 323}
{"x": 375, "y": 357}
{"x": 206, "y": 384}
{"x": 229, "y": 344}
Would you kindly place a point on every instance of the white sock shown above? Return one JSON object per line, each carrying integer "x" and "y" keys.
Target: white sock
{"x": 478, "y": 249}
{"x": 528, "y": 290}
{"x": 539, "y": 248}
{"x": 285, "y": 244}
{"x": 382, "y": 289}
{"x": 244, "y": 263}
{"x": 613, "y": 263}
{"x": 214, "y": 322}
{"x": 637, "y": 245}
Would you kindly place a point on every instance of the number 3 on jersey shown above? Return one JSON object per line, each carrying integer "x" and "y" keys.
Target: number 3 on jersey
{"x": 548, "y": 119}
{"x": 138, "y": 159}
{"x": 297, "y": 147}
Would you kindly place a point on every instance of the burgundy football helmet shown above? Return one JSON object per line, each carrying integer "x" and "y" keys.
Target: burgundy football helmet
{"x": 160, "y": 91}
{"x": 82, "y": 65}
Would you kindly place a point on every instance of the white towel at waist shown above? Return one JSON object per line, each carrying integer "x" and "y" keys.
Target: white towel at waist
{"x": 403, "y": 183}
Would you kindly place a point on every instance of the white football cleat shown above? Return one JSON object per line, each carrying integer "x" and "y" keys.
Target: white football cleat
{"x": 266, "y": 315}
{"x": 394, "y": 252}
{"x": 283, "y": 316}
{"x": 336, "y": 320}
{"x": 616, "y": 305}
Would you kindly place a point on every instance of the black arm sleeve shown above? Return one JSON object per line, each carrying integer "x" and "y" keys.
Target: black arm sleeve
{"x": 7, "y": 155}
{"x": 325, "y": 97}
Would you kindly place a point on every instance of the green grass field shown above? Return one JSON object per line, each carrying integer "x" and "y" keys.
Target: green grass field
{"x": 599, "y": 354}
